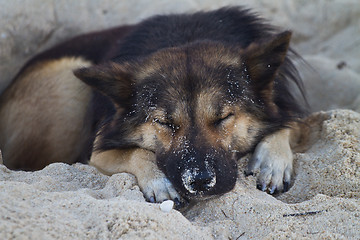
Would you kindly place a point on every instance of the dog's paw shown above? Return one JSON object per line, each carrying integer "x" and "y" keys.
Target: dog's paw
{"x": 160, "y": 189}
{"x": 272, "y": 163}
{"x": 142, "y": 163}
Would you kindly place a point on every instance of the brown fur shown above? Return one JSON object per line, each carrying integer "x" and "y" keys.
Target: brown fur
{"x": 44, "y": 112}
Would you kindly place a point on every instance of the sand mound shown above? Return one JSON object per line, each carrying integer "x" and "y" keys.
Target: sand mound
{"x": 77, "y": 202}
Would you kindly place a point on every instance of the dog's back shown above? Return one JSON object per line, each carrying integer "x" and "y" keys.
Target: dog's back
{"x": 45, "y": 113}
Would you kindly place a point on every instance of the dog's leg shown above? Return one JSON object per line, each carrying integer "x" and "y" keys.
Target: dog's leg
{"x": 142, "y": 163}
{"x": 273, "y": 160}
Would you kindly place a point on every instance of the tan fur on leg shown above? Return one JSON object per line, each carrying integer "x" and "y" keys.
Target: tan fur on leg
{"x": 141, "y": 163}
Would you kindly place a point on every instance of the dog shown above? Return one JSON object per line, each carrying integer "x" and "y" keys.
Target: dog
{"x": 175, "y": 100}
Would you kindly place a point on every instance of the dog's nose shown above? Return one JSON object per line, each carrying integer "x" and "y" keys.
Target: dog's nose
{"x": 198, "y": 182}
{"x": 202, "y": 182}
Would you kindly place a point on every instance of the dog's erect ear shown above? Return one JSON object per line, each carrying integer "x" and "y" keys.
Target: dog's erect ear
{"x": 264, "y": 59}
{"x": 112, "y": 80}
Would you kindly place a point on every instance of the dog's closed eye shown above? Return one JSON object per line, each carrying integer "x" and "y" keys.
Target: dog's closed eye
{"x": 223, "y": 119}
{"x": 166, "y": 123}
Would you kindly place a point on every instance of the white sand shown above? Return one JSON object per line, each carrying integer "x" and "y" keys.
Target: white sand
{"x": 77, "y": 202}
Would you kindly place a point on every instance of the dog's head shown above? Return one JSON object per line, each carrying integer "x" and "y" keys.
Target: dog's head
{"x": 196, "y": 107}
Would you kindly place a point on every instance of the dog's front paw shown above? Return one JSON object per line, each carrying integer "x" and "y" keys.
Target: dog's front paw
{"x": 142, "y": 163}
{"x": 159, "y": 189}
{"x": 272, "y": 163}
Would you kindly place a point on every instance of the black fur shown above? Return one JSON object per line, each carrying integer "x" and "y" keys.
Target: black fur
{"x": 234, "y": 26}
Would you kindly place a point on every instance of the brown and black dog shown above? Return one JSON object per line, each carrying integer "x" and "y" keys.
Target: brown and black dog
{"x": 174, "y": 100}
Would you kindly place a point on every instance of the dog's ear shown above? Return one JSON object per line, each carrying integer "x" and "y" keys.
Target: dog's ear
{"x": 112, "y": 79}
{"x": 264, "y": 59}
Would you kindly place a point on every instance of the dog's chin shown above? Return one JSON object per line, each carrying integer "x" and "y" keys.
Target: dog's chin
{"x": 198, "y": 197}
{"x": 191, "y": 199}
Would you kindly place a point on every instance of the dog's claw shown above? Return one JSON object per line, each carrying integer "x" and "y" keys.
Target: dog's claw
{"x": 286, "y": 186}
{"x": 263, "y": 187}
{"x": 272, "y": 189}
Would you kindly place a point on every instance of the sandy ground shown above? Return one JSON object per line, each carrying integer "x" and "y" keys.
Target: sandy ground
{"x": 77, "y": 202}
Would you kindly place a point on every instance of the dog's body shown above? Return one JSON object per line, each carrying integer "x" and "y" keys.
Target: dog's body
{"x": 175, "y": 100}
